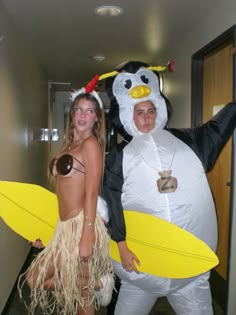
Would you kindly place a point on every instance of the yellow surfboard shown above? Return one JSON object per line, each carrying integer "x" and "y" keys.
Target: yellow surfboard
{"x": 29, "y": 210}
{"x": 163, "y": 248}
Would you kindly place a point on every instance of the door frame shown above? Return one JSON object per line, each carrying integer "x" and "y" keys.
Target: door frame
{"x": 196, "y": 119}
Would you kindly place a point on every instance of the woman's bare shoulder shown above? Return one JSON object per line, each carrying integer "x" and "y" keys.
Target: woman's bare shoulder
{"x": 91, "y": 149}
{"x": 91, "y": 142}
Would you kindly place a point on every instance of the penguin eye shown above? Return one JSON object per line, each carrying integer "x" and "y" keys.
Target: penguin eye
{"x": 128, "y": 84}
{"x": 144, "y": 79}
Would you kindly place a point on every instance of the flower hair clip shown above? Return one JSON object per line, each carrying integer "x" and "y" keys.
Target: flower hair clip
{"x": 90, "y": 90}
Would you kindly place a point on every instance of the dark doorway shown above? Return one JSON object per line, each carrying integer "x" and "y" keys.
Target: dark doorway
{"x": 213, "y": 86}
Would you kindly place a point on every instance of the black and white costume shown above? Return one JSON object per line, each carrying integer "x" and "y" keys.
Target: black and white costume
{"x": 131, "y": 173}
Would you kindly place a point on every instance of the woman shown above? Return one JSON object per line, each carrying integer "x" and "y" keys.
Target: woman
{"x": 73, "y": 274}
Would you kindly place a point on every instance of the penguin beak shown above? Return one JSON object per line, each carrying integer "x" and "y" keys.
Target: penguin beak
{"x": 139, "y": 91}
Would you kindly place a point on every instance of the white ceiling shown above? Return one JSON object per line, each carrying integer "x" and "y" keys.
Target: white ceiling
{"x": 64, "y": 34}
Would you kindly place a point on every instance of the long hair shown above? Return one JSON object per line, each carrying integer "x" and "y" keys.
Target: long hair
{"x": 99, "y": 129}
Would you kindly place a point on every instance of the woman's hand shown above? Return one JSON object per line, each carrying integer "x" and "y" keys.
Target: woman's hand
{"x": 37, "y": 243}
{"x": 128, "y": 258}
{"x": 86, "y": 243}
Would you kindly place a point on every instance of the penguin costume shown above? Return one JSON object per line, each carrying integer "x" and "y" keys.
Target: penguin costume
{"x": 135, "y": 167}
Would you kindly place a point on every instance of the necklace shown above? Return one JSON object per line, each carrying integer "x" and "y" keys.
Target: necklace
{"x": 69, "y": 147}
{"x": 167, "y": 183}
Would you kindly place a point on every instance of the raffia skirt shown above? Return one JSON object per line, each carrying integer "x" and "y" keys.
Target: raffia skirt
{"x": 62, "y": 253}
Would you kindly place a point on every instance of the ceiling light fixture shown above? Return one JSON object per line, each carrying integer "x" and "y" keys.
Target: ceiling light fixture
{"x": 108, "y": 10}
{"x": 98, "y": 58}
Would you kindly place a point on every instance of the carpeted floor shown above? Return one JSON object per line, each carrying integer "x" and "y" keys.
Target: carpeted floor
{"x": 162, "y": 307}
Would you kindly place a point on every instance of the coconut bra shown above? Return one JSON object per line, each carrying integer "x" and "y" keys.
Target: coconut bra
{"x": 64, "y": 165}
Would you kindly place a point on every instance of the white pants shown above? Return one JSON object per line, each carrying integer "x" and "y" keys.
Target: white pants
{"x": 193, "y": 299}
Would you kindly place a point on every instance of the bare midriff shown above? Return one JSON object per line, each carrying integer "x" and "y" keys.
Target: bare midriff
{"x": 70, "y": 195}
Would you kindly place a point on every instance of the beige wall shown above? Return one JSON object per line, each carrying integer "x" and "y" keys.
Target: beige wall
{"x": 178, "y": 90}
{"x": 23, "y": 107}
{"x": 178, "y": 84}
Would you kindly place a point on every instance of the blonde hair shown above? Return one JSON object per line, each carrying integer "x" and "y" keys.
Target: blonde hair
{"x": 99, "y": 129}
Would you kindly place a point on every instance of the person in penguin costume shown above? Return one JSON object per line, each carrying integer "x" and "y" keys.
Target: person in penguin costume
{"x": 132, "y": 171}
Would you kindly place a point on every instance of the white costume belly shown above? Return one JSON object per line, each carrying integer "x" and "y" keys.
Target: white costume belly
{"x": 191, "y": 206}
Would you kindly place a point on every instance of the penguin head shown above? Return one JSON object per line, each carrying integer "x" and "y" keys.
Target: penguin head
{"x": 133, "y": 84}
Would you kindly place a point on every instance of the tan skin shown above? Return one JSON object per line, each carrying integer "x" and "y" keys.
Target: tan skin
{"x": 144, "y": 118}
{"x": 85, "y": 148}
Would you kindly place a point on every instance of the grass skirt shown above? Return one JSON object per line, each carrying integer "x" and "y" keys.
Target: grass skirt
{"x": 62, "y": 253}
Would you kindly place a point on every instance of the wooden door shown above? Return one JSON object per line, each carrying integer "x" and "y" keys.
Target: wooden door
{"x": 217, "y": 91}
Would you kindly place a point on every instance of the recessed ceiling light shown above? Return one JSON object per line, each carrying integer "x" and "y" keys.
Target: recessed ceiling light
{"x": 108, "y": 10}
{"x": 98, "y": 58}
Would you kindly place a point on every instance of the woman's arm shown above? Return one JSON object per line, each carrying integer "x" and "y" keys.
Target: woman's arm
{"x": 92, "y": 159}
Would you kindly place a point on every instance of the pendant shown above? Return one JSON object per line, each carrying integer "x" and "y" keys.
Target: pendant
{"x": 166, "y": 183}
